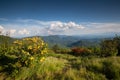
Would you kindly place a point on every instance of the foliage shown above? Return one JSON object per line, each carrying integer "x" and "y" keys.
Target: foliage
{"x": 117, "y": 41}
{"x": 110, "y": 47}
{"x": 58, "y": 49}
{"x": 111, "y": 69}
{"x": 22, "y": 53}
{"x": 72, "y": 41}
{"x": 27, "y": 59}
{"x": 77, "y": 51}
{"x": 96, "y": 51}
{"x": 68, "y": 67}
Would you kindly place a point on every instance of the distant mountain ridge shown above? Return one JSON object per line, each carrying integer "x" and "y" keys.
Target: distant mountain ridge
{"x": 68, "y": 41}
{"x": 72, "y": 41}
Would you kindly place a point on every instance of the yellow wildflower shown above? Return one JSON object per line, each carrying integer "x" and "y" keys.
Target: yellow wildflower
{"x": 38, "y": 47}
{"x": 34, "y": 39}
{"x": 34, "y": 50}
{"x": 20, "y": 43}
{"x": 42, "y": 43}
{"x": 42, "y": 59}
{"x": 26, "y": 39}
{"x": 31, "y": 58}
{"x": 42, "y": 52}
{"x": 45, "y": 51}
{"x": 28, "y": 53}
{"x": 15, "y": 42}
{"x": 30, "y": 47}
{"x": 23, "y": 51}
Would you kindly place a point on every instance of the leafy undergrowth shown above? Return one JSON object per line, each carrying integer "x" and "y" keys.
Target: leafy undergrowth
{"x": 68, "y": 67}
{"x": 45, "y": 70}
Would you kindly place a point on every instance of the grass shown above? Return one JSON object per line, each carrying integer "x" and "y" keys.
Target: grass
{"x": 26, "y": 64}
{"x": 68, "y": 67}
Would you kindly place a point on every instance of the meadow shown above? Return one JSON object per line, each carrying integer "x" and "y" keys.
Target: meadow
{"x": 31, "y": 59}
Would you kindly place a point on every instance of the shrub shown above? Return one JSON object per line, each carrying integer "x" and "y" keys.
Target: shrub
{"x": 117, "y": 41}
{"x": 30, "y": 49}
{"x": 59, "y": 49}
{"x": 108, "y": 48}
{"x": 111, "y": 69}
{"x": 80, "y": 51}
{"x": 23, "y": 53}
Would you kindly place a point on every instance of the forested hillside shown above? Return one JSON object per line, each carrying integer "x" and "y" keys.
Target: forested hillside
{"x": 72, "y": 41}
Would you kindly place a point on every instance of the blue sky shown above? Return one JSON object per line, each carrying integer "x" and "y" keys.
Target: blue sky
{"x": 64, "y": 17}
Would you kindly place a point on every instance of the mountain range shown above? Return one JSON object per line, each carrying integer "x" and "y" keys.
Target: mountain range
{"x": 69, "y": 41}
{"x": 72, "y": 41}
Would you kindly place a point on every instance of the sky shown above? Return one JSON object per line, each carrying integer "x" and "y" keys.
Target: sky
{"x": 23, "y": 18}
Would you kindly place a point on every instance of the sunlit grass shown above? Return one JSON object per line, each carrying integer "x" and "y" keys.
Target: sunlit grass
{"x": 28, "y": 61}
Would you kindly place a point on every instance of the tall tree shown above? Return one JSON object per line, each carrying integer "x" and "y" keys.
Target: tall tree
{"x": 117, "y": 41}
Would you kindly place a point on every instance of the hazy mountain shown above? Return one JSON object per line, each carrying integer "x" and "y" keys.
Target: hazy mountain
{"x": 6, "y": 38}
{"x": 68, "y": 41}
{"x": 60, "y": 40}
{"x": 71, "y": 41}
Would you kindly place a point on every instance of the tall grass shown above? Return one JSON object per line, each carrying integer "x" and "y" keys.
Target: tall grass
{"x": 69, "y": 68}
{"x": 58, "y": 67}
{"x": 46, "y": 70}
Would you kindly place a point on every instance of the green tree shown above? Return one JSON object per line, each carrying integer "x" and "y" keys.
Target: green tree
{"x": 56, "y": 48}
{"x": 111, "y": 47}
{"x": 108, "y": 48}
{"x": 117, "y": 44}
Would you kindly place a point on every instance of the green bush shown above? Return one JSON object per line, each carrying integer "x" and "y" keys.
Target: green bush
{"x": 111, "y": 69}
{"x": 58, "y": 49}
{"x": 22, "y": 53}
{"x": 108, "y": 48}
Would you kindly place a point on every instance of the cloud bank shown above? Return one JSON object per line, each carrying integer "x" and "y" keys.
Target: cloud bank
{"x": 30, "y": 27}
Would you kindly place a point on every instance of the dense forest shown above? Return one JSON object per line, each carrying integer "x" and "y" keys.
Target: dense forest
{"x": 59, "y": 58}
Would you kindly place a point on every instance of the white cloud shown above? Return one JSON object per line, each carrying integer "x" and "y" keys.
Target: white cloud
{"x": 65, "y": 26}
{"x": 1, "y": 29}
{"x": 61, "y": 27}
{"x": 93, "y": 28}
{"x": 4, "y": 31}
{"x": 37, "y": 27}
{"x": 12, "y": 31}
{"x": 23, "y": 32}
{"x": 30, "y": 27}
